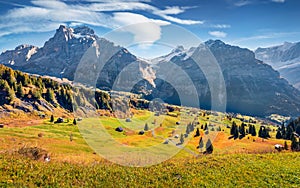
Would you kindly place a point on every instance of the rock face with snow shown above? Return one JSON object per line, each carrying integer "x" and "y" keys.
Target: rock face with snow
{"x": 19, "y": 56}
{"x": 284, "y": 58}
{"x": 252, "y": 87}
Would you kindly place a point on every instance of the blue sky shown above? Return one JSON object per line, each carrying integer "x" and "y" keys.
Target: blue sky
{"x": 247, "y": 23}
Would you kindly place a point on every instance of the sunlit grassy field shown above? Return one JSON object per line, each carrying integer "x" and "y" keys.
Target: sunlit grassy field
{"x": 249, "y": 162}
{"x": 237, "y": 170}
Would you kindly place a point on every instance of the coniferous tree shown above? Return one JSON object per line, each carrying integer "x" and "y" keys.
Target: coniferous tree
{"x": 209, "y": 147}
{"x": 236, "y": 132}
{"x": 9, "y": 76}
{"x": 197, "y": 133}
{"x": 261, "y": 132}
{"x": 146, "y": 128}
{"x": 283, "y": 131}
{"x": 181, "y": 139}
{"x": 233, "y": 128}
{"x": 294, "y": 144}
{"x": 201, "y": 144}
{"x": 286, "y": 145}
{"x": 242, "y": 130}
{"x": 187, "y": 130}
{"x": 10, "y": 95}
{"x": 250, "y": 129}
{"x": 20, "y": 92}
{"x": 278, "y": 134}
{"x": 52, "y": 118}
{"x": 253, "y": 131}
{"x": 74, "y": 122}
{"x": 289, "y": 132}
{"x": 49, "y": 95}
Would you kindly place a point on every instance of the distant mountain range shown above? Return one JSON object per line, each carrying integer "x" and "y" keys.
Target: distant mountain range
{"x": 284, "y": 58}
{"x": 253, "y": 87}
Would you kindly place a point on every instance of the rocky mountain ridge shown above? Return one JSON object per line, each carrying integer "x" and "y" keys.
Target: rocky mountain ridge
{"x": 252, "y": 86}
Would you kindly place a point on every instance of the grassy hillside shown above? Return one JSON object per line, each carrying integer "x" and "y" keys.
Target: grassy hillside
{"x": 234, "y": 163}
{"x": 238, "y": 170}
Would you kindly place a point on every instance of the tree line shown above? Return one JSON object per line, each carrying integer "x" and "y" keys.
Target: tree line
{"x": 16, "y": 84}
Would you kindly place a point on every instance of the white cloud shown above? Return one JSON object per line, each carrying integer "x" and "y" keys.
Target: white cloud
{"x": 267, "y": 36}
{"x": 46, "y": 15}
{"x": 53, "y": 4}
{"x": 172, "y": 10}
{"x": 115, "y": 6}
{"x": 242, "y": 3}
{"x": 140, "y": 26}
{"x": 278, "y": 1}
{"x": 180, "y": 21}
{"x": 221, "y": 26}
{"x": 218, "y": 34}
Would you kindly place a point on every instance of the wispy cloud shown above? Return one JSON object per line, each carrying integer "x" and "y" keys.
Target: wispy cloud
{"x": 266, "y": 36}
{"x": 140, "y": 26}
{"x": 278, "y": 1}
{"x": 46, "y": 15}
{"x": 218, "y": 34}
{"x": 221, "y": 26}
{"x": 242, "y": 3}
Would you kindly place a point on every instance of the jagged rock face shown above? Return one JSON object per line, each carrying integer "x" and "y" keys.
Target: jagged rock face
{"x": 19, "y": 56}
{"x": 62, "y": 53}
{"x": 284, "y": 58}
{"x": 252, "y": 87}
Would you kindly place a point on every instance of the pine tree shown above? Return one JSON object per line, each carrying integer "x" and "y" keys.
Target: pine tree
{"x": 294, "y": 145}
{"x": 278, "y": 134}
{"x": 242, "y": 130}
{"x": 253, "y": 131}
{"x": 209, "y": 147}
{"x": 283, "y": 131}
{"x": 197, "y": 133}
{"x": 20, "y": 92}
{"x": 49, "y": 95}
{"x": 74, "y": 122}
{"x": 10, "y": 95}
{"x": 146, "y": 128}
{"x": 201, "y": 144}
{"x": 261, "y": 132}
{"x": 9, "y": 76}
{"x": 52, "y": 118}
{"x": 187, "y": 130}
{"x": 233, "y": 128}
{"x": 286, "y": 145}
{"x": 236, "y": 132}
{"x": 289, "y": 132}
{"x": 181, "y": 139}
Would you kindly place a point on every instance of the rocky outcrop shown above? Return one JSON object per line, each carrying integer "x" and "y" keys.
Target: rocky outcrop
{"x": 19, "y": 56}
